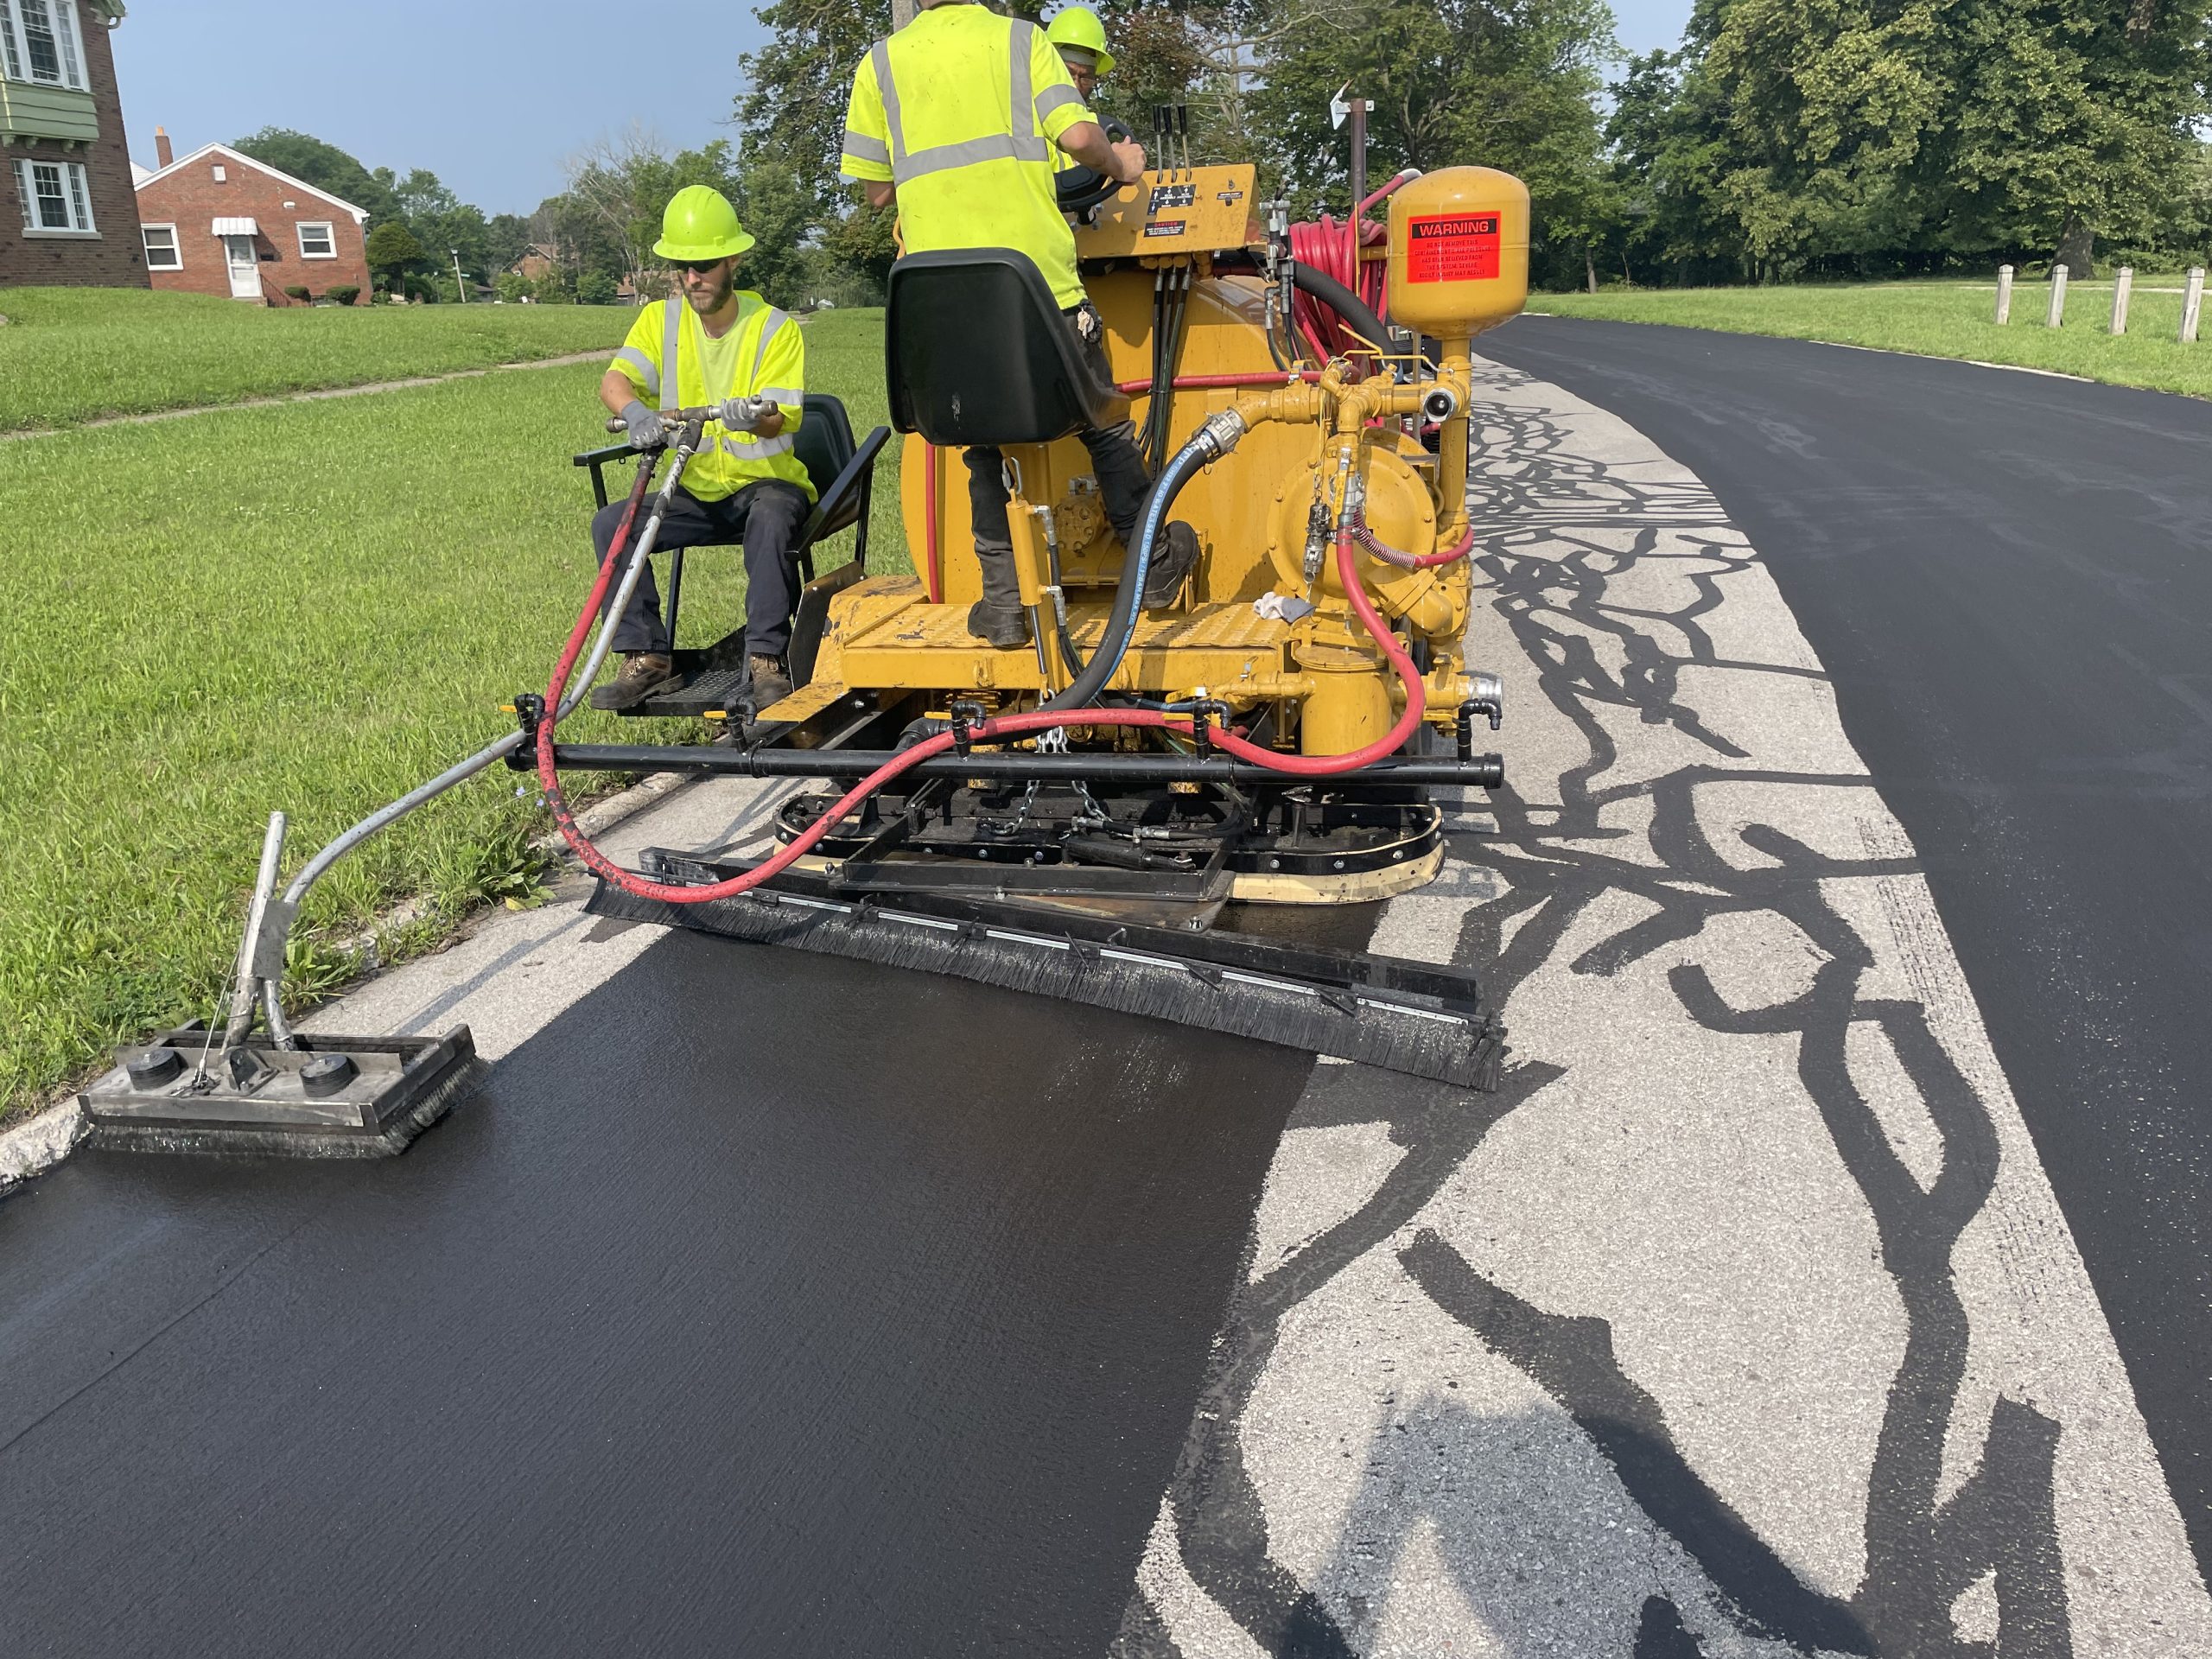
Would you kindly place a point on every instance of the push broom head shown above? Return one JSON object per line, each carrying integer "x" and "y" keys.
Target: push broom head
{"x": 335, "y": 1097}
{"x": 1379, "y": 1011}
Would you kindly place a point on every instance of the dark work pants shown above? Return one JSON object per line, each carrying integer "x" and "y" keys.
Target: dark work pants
{"x": 1123, "y": 481}
{"x": 765, "y": 515}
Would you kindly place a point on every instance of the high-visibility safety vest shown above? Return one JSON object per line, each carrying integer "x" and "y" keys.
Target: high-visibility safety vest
{"x": 763, "y": 355}
{"x": 961, "y": 110}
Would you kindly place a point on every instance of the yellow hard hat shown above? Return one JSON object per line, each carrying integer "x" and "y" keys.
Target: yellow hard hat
{"x": 1078, "y": 26}
{"x": 700, "y": 224}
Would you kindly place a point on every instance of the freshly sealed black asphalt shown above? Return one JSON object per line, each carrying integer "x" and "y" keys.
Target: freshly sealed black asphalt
{"x": 763, "y": 1303}
{"x": 2008, "y": 578}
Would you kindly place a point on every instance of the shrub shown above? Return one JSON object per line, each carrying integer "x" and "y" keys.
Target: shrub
{"x": 344, "y": 294}
{"x": 297, "y": 291}
{"x": 595, "y": 288}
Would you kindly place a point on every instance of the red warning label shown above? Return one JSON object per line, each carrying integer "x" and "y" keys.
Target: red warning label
{"x": 1451, "y": 248}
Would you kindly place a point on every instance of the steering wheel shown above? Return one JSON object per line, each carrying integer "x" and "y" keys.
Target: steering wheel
{"x": 1082, "y": 189}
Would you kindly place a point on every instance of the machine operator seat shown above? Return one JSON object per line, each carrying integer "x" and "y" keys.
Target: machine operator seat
{"x": 976, "y": 352}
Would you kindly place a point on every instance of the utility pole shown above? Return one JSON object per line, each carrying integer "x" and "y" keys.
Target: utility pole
{"x": 903, "y": 12}
{"x": 460, "y": 282}
{"x": 1340, "y": 107}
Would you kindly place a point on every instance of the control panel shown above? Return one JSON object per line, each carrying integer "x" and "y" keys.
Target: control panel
{"x": 1182, "y": 211}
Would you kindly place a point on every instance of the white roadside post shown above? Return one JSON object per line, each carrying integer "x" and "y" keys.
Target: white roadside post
{"x": 2121, "y": 285}
{"x": 2003, "y": 294}
{"x": 2056, "y": 315}
{"x": 2192, "y": 304}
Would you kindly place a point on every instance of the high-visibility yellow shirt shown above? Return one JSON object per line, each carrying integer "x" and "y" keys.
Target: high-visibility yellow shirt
{"x": 763, "y": 354}
{"x": 961, "y": 110}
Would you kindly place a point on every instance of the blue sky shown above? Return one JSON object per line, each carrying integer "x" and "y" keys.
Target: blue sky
{"x": 491, "y": 96}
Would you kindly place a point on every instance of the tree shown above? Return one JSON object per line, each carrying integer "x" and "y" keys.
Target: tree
{"x": 508, "y": 237}
{"x": 795, "y": 86}
{"x": 1452, "y": 82}
{"x": 1868, "y": 132}
{"x": 392, "y": 250}
{"x": 324, "y": 166}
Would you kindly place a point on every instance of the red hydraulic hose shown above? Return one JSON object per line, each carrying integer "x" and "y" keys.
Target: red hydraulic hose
{"x": 997, "y": 726}
{"x": 1389, "y": 555}
{"x": 1218, "y": 382}
{"x": 1322, "y": 765}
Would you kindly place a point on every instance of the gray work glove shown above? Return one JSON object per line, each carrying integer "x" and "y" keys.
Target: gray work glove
{"x": 743, "y": 414}
{"x": 647, "y": 429}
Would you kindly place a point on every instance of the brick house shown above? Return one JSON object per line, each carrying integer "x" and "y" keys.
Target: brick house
{"x": 67, "y": 210}
{"x": 217, "y": 221}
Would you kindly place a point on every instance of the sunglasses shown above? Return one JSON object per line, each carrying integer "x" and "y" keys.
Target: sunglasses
{"x": 698, "y": 267}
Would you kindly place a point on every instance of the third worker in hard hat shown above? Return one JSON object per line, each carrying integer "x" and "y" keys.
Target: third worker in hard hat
{"x": 709, "y": 342}
{"x": 1080, "y": 39}
{"x": 955, "y": 118}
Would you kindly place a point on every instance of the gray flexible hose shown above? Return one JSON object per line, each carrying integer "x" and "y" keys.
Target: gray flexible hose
{"x": 640, "y": 549}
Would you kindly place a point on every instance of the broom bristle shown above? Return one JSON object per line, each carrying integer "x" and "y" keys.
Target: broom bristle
{"x": 1349, "y": 1022}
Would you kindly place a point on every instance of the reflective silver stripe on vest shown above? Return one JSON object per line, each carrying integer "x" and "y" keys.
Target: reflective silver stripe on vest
{"x": 1020, "y": 45}
{"x": 671, "y": 342}
{"x": 1022, "y": 144}
{"x": 880, "y": 55}
{"x": 782, "y": 395}
{"x": 643, "y": 365}
{"x": 1054, "y": 98}
{"x": 867, "y": 148}
{"x": 759, "y": 449}
{"x": 776, "y": 321}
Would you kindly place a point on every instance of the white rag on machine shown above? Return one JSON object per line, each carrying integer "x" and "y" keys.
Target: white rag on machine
{"x": 1282, "y": 608}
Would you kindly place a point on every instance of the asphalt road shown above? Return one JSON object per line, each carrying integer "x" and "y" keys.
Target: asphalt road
{"x": 757, "y": 1306}
{"x": 2008, "y": 578}
{"x": 765, "y": 1303}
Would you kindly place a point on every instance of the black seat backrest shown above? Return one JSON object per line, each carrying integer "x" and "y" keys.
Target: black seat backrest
{"x": 825, "y": 440}
{"x": 976, "y": 351}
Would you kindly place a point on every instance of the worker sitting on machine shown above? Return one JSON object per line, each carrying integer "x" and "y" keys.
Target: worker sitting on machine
{"x": 955, "y": 118}
{"x": 709, "y": 342}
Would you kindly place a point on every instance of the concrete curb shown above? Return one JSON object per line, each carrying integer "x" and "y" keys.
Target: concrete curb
{"x": 37, "y": 1144}
{"x": 34, "y": 1147}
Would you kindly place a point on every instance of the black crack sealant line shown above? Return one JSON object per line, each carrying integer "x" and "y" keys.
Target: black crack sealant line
{"x": 1922, "y": 1552}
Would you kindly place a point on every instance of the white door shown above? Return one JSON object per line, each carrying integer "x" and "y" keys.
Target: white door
{"x": 245, "y": 267}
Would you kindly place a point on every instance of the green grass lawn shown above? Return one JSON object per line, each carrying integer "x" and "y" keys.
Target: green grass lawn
{"x": 312, "y": 608}
{"x": 71, "y": 354}
{"x": 1939, "y": 319}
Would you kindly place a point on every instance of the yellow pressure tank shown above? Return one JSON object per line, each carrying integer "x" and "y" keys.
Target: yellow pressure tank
{"x": 1459, "y": 251}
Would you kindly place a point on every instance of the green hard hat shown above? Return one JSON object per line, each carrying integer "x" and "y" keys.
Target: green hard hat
{"x": 700, "y": 224}
{"x": 1078, "y": 26}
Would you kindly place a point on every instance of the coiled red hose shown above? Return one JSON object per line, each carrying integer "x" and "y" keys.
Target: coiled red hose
{"x": 1333, "y": 250}
{"x": 997, "y": 726}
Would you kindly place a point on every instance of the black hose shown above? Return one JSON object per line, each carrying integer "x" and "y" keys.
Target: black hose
{"x": 1128, "y": 592}
{"x": 1358, "y": 315}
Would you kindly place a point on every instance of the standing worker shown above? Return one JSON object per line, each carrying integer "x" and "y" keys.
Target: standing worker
{"x": 716, "y": 341}
{"x": 955, "y": 118}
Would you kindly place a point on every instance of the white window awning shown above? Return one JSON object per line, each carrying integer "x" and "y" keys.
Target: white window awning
{"x": 237, "y": 227}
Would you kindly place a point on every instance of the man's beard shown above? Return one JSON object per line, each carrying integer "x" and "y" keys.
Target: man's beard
{"x": 714, "y": 301}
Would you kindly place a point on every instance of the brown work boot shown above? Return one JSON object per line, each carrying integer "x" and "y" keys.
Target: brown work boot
{"x": 643, "y": 673}
{"x": 770, "y": 683}
{"x": 1003, "y": 626}
{"x": 1173, "y": 557}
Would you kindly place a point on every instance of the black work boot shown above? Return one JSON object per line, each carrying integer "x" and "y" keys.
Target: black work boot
{"x": 643, "y": 673}
{"x": 1174, "y": 555}
{"x": 1004, "y": 626}
{"x": 770, "y": 683}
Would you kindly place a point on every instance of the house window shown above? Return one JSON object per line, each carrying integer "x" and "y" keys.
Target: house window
{"x": 316, "y": 241}
{"x": 54, "y": 197}
{"x": 220, "y": 176}
{"x": 39, "y": 40}
{"x": 162, "y": 250}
